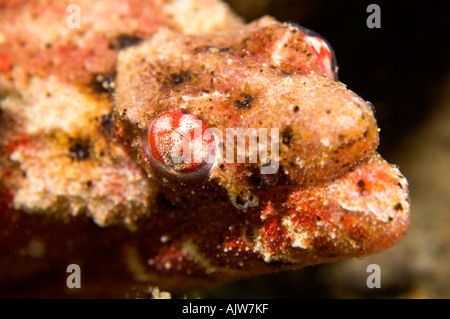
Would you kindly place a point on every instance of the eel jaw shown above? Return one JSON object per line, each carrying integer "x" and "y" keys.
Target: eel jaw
{"x": 364, "y": 212}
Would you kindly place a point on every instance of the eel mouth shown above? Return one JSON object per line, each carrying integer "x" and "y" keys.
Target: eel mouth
{"x": 363, "y": 212}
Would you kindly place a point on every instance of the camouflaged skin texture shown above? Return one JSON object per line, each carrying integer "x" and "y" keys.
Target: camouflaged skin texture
{"x": 325, "y": 129}
{"x": 77, "y": 103}
{"x": 57, "y": 84}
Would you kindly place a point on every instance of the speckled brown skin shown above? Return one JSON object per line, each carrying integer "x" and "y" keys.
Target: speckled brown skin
{"x": 77, "y": 186}
{"x": 325, "y": 129}
{"x": 56, "y": 88}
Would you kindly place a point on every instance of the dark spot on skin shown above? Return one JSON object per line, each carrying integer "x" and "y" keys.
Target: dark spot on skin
{"x": 204, "y": 49}
{"x": 177, "y": 80}
{"x": 222, "y": 166}
{"x": 262, "y": 181}
{"x": 296, "y": 109}
{"x": 239, "y": 200}
{"x": 89, "y": 183}
{"x": 347, "y": 144}
{"x": 123, "y": 41}
{"x": 180, "y": 78}
{"x": 398, "y": 207}
{"x": 318, "y": 218}
{"x": 287, "y": 135}
{"x": 106, "y": 124}
{"x": 103, "y": 82}
{"x": 390, "y": 218}
{"x": 362, "y": 185}
{"x": 79, "y": 150}
{"x": 328, "y": 111}
{"x": 243, "y": 104}
{"x": 265, "y": 183}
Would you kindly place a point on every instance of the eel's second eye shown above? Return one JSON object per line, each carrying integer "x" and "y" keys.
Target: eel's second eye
{"x": 322, "y": 50}
{"x": 180, "y": 146}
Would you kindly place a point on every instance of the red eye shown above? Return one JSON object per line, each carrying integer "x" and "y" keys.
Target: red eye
{"x": 324, "y": 56}
{"x": 322, "y": 50}
{"x": 180, "y": 146}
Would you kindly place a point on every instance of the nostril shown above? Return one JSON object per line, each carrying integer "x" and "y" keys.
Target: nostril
{"x": 179, "y": 146}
